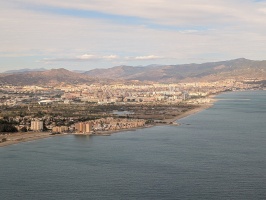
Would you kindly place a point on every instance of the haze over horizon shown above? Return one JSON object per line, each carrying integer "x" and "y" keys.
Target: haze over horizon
{"x": 84, "y": 35}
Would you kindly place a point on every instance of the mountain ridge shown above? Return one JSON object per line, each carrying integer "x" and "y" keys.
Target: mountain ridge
{"x": 211, "y": 71}
{"x": 48, "y": 77}
{"x": 25, "y": 70}
{"x": 183, "y": 72}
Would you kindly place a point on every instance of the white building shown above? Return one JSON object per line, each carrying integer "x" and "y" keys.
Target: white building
{"x": 37, "y": 125}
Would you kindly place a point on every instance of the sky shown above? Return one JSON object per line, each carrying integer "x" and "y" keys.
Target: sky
{"x": 89, "y": 34}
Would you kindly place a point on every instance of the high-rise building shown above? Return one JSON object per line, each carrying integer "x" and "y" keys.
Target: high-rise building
{"x": 83, "y": 127}
{"x": 88, "y": 127}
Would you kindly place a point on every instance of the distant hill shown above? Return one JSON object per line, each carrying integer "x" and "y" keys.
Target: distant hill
{"x": 49, "y": 77}
{"x": 211, "y": 71}
{"x": 79, "y": 71}
{"x": 20, "y": 71}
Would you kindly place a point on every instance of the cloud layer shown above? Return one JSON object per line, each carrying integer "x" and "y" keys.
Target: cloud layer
{"x": 129, "y": 32}
{"x": 94, "y": 58}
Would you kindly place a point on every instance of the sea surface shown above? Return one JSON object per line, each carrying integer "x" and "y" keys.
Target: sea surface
{"x": 219, "y": 153}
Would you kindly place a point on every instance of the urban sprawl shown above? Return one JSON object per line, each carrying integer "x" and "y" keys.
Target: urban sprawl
{"x": 96, "y": 108}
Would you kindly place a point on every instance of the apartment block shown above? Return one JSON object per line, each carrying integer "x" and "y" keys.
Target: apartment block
{"x": 83, "y": 127}
{"x": 36, "y": 125}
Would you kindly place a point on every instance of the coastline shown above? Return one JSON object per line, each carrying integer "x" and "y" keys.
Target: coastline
{"x": 169, "y": 122}
{"x": 16, "y": 138}
{"x": 188, "y": 113}
{"x": 109, "y": 133}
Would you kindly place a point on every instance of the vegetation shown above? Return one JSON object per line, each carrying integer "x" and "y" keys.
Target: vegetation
{"x": 23, "y": 129}
{"x": 6, "y": 126}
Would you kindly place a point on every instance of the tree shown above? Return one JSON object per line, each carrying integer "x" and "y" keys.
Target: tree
{"x": 8, "y": 128}
{"x": 23, "y": 129}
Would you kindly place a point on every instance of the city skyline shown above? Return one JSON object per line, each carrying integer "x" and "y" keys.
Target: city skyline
{"x": 85, "y": 35}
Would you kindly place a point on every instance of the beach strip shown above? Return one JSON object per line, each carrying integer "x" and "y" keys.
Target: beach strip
{"x": 15, "y": 138}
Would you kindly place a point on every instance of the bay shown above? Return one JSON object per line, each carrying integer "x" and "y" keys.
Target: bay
{"x": 218, "y": 153}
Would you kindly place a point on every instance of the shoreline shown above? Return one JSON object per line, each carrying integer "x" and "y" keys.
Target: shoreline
{"x": 188, "y": 113}
{"x": 16, "y": 138}
{"x": 165, "y": 122}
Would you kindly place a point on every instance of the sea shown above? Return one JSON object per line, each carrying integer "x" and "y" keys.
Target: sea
{"x": 218, "y": 153}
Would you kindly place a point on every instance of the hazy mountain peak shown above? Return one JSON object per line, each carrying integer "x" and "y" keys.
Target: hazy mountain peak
{"x": 26, "y": 70}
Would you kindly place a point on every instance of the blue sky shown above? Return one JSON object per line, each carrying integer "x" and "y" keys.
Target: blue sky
{"x": 88, "y": 34}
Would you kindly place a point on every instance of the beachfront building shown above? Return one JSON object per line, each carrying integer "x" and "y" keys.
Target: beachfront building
{"x": 83, "y": 127}
{"x": 36, "y": 125}
{"x": 59, "y": 129}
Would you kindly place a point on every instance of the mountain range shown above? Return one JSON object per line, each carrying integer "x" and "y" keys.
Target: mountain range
{"x": 48, "y": 77}
{"x": 24, "y": 71}
{"x": 212, "y": 71}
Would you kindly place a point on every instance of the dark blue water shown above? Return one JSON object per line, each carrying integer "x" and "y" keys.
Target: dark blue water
{"x": 218, "y": 153}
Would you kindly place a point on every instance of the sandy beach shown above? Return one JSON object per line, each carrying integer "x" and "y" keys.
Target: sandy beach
{"x": 16, "y": 138}
{"x": 188, "y": 113}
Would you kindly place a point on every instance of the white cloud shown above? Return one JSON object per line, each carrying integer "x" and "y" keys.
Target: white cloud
{"x": 95, "y": 57}
{"x": 150, "y": 57}
{"x": 111, "y": 57}
{"x": 87, "y": 57}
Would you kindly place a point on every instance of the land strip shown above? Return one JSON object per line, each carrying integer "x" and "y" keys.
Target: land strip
{"x": 15, "y": 138}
